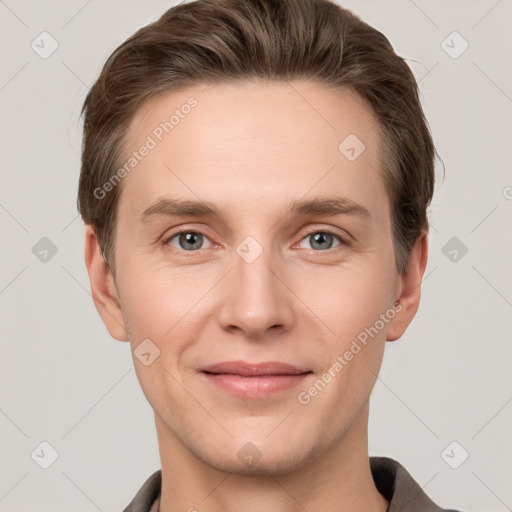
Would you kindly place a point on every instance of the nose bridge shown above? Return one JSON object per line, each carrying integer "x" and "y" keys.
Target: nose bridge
{"x": 255, "y": 300}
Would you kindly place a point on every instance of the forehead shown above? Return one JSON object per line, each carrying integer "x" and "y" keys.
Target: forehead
{"x": 259, "y": 140}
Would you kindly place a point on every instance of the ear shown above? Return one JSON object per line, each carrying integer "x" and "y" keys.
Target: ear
{"x": 103, "y": 288}
{"x": 410, "y": 289}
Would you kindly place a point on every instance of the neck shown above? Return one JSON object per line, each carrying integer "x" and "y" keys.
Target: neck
{"x": 338, "y": 479}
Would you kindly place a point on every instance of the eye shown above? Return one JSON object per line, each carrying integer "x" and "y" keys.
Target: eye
{"x": 189, "y": 241}
{"x": 322, "y": 240}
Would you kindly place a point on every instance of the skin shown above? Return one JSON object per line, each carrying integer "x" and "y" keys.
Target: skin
{"x": 252, "y": 149}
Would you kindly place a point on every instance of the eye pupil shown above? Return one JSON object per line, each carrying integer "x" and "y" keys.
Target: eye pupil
{"x": 194, "y": 239}
{"x": 319, "y": 238}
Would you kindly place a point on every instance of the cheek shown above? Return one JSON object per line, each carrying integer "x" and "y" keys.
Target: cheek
{"x": 347, "y": 299}
{"x": 154, "y": 296}
{"x": 166, "y": 306}
{"x": 159, "y": 306}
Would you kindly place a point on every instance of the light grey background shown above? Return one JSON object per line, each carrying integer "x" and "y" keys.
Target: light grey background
{"x": 66, "y": 382}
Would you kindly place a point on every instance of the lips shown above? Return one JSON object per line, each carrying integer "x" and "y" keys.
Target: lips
{"x": 254, "y": 380}
{"x": 245, "y": 369}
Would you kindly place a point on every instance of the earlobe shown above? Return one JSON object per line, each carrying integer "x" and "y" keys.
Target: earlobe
{"x": 103, "y": 288}
{"x": 409, "y": 298}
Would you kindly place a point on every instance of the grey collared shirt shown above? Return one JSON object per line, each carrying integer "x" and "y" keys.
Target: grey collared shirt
{"x": 391, "y": 479}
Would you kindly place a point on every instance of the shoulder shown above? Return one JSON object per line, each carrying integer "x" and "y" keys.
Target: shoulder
{"x": 147, "y": 495}
{"x": 395, "y": 483}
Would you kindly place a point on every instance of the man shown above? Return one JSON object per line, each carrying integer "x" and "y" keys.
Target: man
{"x": 255, "y": 179}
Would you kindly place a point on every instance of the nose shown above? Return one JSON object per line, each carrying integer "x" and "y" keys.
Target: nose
{"x": 256, "y": 300}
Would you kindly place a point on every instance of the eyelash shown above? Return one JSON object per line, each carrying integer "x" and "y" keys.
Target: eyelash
{"x": 342, "y": 239}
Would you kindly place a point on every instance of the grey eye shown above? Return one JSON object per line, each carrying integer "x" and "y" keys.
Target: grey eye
{"x": 187, "y": 241}
{"x": 322, "y": 240}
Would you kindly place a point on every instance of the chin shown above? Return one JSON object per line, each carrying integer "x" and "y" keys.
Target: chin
{"x": 266, "y": 460}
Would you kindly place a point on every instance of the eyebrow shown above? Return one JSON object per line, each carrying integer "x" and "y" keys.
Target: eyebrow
{"x": 328, "y": 206}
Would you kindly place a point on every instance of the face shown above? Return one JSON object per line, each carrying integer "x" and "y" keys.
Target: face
{"x": 254, "y": 261}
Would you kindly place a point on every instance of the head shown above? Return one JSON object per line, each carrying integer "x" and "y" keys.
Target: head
{"x": 300, "y": 132}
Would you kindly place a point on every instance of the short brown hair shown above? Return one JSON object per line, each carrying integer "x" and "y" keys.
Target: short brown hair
{"x": 217, "y": 41}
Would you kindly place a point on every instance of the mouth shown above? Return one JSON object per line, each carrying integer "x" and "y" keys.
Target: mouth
{"x": 254, "y": 380}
